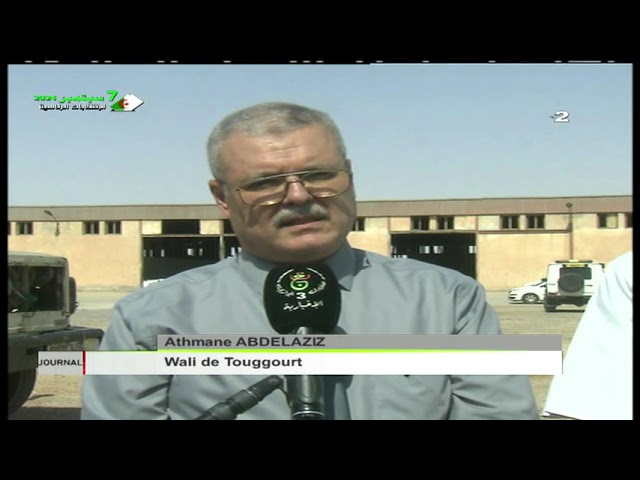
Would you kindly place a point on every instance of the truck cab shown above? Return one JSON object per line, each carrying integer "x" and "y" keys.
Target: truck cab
{"x": 42, "y": 298}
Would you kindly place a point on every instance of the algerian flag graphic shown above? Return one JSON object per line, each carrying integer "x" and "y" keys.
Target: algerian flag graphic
{"x": 128, "y": 103}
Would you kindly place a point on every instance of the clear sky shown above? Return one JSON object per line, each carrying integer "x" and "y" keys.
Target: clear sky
{"x": 432, "y": 131}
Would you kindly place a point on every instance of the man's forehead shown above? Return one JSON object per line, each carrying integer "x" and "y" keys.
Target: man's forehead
{"x": 312, "y": 142}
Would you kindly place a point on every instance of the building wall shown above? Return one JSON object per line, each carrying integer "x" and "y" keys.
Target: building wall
{"x": 400, "y": 224}
{"x": 211, "y": 227}
{"x": 556, "y": 222}
{"x": 602, "y": 245}
{"x": 466, "y": 222}
{"x": 371, "y": 242}
{"x": 96, "y": 261}
{"x": 489, "y": 222}
{"x": 461, "y": 222}
{"x": 505, "y": 258}
{"x": 151, "y": 227}
{"x": 375, "y": 238}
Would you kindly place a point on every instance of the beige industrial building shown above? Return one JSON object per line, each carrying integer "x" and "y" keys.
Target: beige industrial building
{"x": 502, "y": 242}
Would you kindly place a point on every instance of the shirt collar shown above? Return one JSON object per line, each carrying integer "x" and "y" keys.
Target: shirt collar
{"x": 343, "y": 263}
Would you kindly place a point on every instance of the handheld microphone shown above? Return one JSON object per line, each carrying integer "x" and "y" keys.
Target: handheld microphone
{"x": 303, "y": 300}
{"x": 243, "y": 400}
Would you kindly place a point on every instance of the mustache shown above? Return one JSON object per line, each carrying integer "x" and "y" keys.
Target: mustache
{"x": 291, "y": 214}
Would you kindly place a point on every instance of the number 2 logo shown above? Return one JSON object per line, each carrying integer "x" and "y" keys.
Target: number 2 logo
{"x": 561, "y": 116}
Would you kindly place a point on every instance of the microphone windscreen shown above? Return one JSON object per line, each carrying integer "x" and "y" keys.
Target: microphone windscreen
{"x": 302, "y": 296}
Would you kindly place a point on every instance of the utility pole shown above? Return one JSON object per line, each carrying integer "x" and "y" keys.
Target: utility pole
{"x": 569, "y": 205}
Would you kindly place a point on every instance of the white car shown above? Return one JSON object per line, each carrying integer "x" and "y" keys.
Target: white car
{"x": 532, "y": 292}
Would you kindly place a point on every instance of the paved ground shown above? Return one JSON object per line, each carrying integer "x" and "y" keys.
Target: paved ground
{"x": 57, "y": 397}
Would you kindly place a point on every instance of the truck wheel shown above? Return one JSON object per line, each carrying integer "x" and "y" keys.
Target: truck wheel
{"x": 20, "y": 387}
{"x": 549, "y": 308}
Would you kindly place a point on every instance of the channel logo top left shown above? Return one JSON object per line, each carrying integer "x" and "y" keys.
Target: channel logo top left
{"x": 86, "y": 103}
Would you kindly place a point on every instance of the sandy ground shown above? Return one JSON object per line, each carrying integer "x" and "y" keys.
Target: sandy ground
{"x": 57, "y": 397}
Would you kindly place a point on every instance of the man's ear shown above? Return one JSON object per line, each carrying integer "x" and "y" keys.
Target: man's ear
{"x": 219, "y": 194}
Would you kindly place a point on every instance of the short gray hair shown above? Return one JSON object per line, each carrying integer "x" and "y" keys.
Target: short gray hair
{"x": 270, "y": 118}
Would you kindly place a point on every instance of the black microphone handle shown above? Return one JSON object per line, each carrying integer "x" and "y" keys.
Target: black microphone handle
{"x": 243, "y": 400}
{"x": 306, "y": 392}
{"x": 306, "y": 397}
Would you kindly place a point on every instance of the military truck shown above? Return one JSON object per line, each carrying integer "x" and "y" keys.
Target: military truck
{"x": 42, "y": 298}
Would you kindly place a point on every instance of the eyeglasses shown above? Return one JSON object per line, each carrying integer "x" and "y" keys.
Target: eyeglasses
{"x": 272, "y": 190}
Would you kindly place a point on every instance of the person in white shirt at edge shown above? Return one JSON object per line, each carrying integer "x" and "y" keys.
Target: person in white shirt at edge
{"x": 597, "y": 383}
